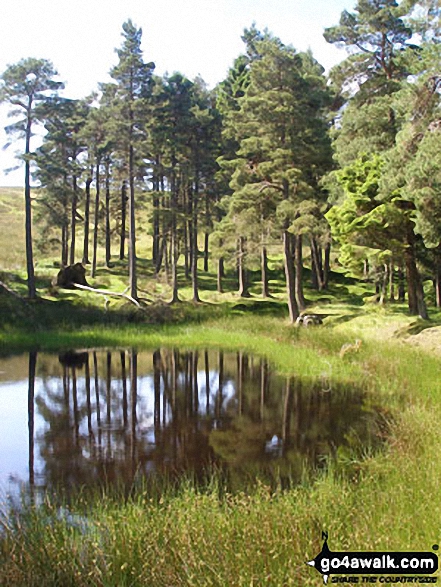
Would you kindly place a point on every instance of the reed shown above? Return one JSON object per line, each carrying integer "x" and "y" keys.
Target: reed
{"x": 188, "y": 535}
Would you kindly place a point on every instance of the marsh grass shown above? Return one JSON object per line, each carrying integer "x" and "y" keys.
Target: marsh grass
{"x": 205, "y": 537}
{"x": 187, "y": 534}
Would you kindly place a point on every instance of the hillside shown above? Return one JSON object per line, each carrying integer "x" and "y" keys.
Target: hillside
{"x": 12, "y": 235}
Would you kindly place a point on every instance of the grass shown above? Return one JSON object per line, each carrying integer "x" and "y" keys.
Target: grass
{"x": 188, "y": 535}
{"x": 12, "y": 234}
{"x": 194, "y": 536}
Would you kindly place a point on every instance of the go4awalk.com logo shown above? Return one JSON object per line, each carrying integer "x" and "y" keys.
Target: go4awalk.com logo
{"x": 375, "y": 567}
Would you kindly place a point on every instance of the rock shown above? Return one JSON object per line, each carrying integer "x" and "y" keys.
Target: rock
{"x": 67, "y": 276}
{"x": 73, "y": 359}
{"x": 309, "y": 320}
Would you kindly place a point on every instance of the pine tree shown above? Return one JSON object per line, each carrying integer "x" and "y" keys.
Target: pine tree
{"x": 24, "y": 86}
{"x": 378, "y": 39}
{"x": 383, "y": 56}
{"x": 59, "y": 168}
{"x": 412, "y": 168}
{"x": 133, "y": 79}
{"x": 100, "y": 142}
{"x": 282, "y": 132}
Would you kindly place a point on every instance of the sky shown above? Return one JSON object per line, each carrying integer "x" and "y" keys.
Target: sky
{"x": 194, "y": 37}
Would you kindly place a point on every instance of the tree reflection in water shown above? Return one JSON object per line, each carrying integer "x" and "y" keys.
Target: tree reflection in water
{"x": 112, "y": 416}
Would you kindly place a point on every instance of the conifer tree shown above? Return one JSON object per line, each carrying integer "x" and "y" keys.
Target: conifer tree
{"x": 59, "y": 169}
{"x": 133, "y": 81}
{"x": 281, "y": 130}
{"x": 383, "y": 56}
{"x": 98, "y": 138}
{"x": 412, "y": 170}
{"x": 23, "y": 86}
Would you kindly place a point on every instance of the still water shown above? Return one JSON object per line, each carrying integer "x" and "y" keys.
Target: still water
{"x": 104, "y": 417}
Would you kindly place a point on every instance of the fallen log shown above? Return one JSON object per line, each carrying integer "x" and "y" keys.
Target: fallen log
{"x": 11, "y": 292}
{"x": 106, "y": 292}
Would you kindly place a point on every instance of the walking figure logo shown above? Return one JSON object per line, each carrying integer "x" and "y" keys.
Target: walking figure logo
{"x": 324, "y": 553}
{"x": 376, "y": 563}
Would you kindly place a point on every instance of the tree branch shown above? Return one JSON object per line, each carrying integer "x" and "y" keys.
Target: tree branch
{"x": 268, "y": 184}
{"x": 106, "y": 292}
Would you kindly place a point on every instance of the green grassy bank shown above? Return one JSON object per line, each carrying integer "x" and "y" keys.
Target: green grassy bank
{"x": 198, "y": 537}
{"x": 191, "y": 536}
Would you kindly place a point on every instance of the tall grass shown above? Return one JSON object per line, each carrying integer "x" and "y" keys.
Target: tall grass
{"x": 196, "y": 537}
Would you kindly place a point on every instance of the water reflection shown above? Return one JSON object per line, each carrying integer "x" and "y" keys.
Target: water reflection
{"x": 105, "y": 417}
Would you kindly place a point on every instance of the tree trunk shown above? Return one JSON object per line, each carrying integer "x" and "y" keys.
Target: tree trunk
{"x": 73, "y": 220}
{"x": 174, "y": 240}
{"x": 220, "y": 274}
{"x": 206, "y": 239}
{"x": 327, "y": 266}
{"x": 167, "y": 247}
{"x": 417, "y": 306}
{"x": 384, "y": 282}
{"x": 156, "y": 202}
{"x": 162, "y": 246}
{"x": 96, "y": 220}
{"x": 401, "y": 284}
{"x": 163, "y": 230}
{"x": 243, "y": 280}
{"x": 155, "y": 253}
{"x": 87, "y": 221}
{"x": 298, "y": 260}
{"x": 187, "y": 236}
{"x": 64, "y": 245}
{"x": 108, "y": 245}
{"x": 366, "y": 270}
{"x": 132, "y": 228}
{"x": 314, "y": 278}
{"x": 32, "y": 292}
{"x": 438, "y": 277}
{"x": 317, "y": 264}
{"x": 391, "y": 281}
{"x": 194, "y": 242}
{"x": 124, "y": 198}
{"x": 208, "y": 224}
{"x": 265, "y": 278}
{"x": 290, "y": 277}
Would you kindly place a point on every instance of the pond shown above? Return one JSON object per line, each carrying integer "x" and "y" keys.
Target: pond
{"x": 113, "y": 417}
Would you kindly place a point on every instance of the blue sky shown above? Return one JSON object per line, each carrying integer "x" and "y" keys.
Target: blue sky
{"x": 191, "y": 36}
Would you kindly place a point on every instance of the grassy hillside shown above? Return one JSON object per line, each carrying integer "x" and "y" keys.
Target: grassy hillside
{"x": 346, "y": 304}
{"x": 12, "y": 235}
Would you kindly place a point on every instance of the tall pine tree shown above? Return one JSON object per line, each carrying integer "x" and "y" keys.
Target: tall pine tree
{"x": 133, "y": 79}
{"x": 24, "y": 86}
